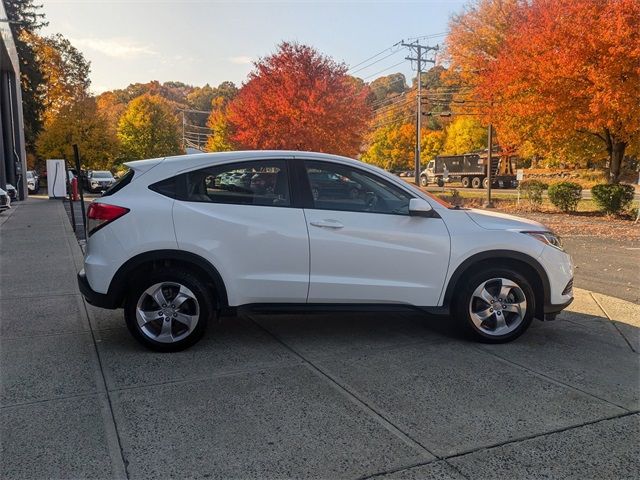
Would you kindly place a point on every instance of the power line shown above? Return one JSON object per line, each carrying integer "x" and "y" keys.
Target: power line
{"x": 383, "y": 70}
{"x": 373, "y": 63}
{"x": 374, "y": 56}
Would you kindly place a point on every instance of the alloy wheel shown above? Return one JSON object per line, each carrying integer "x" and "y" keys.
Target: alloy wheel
{"x": 167, "y": 312}
{"x": 497, "y": 306}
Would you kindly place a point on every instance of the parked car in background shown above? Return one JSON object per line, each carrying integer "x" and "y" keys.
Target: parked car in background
{"x": 99, "y": 180}
{"x": 33, "y": 181}
{"x": 179, "y": 240}
{"x": 12, "y": 192}
{"x": 5, "y": 201}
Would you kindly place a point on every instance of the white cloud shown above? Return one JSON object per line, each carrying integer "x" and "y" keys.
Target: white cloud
{"x": 241, "y": 60}
{"x": 125, "y": 48}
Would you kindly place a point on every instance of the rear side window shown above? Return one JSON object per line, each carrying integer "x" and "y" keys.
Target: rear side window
{"x": 122, "y": 182}
{"x": 167, "y": 187}
{"x": 263, "y": 182}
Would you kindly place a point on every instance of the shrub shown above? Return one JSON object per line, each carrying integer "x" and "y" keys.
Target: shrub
{"x": 613, "y": 197}
{"x": 532, "y": 191}
{"x": 565, "y": 195}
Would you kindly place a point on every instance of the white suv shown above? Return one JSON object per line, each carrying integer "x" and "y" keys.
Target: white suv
{"x": 180, "y": 240}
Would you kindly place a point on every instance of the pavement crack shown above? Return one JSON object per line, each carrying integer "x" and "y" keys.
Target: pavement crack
{"x": 613, "y": 322}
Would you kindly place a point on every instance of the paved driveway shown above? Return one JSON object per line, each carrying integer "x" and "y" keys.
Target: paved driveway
{"x": 313, "y": 396}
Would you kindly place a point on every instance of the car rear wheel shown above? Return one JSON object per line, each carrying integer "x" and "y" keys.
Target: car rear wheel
{"x": 168, "y": 310}
{"x": 495, "y": 305}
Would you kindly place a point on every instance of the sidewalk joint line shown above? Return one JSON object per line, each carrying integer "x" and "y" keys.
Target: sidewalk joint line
{"x": 389, "y": 425}
{"x": 544, "y": 434}
{"x": 613, "y": 322}
{"x": 551, "y": 379}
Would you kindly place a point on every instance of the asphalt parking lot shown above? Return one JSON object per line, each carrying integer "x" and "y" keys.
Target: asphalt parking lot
{"x": 301, "y": 396}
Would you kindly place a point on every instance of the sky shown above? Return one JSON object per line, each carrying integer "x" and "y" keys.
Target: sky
{"x": 209, "y": 41}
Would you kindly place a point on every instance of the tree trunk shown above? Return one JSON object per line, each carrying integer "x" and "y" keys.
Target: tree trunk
{"x": 616, "y": 157}
{"x": 615, "y": 149}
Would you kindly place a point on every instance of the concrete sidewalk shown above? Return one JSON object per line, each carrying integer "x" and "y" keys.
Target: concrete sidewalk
{"x": 315, "y": 396}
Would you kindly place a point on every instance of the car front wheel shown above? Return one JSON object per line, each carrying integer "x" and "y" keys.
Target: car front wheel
{"x": 168, "y": 310}
{"x": 495, "y": 305}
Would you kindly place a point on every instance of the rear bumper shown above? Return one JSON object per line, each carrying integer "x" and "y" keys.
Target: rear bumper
{"x": 94, "y": 298}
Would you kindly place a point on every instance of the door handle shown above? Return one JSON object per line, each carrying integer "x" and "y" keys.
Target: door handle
{"x": 327, "y": 223}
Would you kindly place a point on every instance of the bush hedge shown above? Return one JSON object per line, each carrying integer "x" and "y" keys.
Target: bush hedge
{"x": 613, "y": 197}
{"x": 532, "y": 191}
{"x": 565, "y": 195}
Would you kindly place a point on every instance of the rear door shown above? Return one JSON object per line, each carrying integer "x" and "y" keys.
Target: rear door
{"x": 241, "y": 218}
{"x": 365, "y": 248}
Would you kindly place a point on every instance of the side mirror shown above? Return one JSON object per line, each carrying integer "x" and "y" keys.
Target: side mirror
{"x": 420, "y": 208}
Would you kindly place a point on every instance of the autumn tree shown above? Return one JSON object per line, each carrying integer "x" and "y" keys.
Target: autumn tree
{"x": 553, "y": 71}
{"x": 82, "y": 124}
{"x": 148, "y": 129}
{"x": 299, "y": 99}
{"x": 65, "y": 71}
{"x": 392, "y": 146}
{"x": 220, "y": 131}
{"x": 464, "y": 135}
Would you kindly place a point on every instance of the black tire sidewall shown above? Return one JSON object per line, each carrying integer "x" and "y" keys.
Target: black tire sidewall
{"x": 462, "y": 299}
{"x": 189, "y": 280}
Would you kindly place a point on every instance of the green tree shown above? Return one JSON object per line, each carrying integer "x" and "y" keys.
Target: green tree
{"x": 148, "y": 129}
{"x": 465, "y": 134}
{"x": 79, "y": 123}
{"x": 25, "y": 18}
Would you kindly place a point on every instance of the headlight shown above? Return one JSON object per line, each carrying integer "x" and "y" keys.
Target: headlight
{"x": 548, "y": 238}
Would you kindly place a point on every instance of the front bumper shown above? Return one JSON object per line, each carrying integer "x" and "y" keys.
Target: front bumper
{"x": 94, "y": 298}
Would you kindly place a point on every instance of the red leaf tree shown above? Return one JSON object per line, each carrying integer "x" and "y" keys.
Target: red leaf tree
{"x": 301, "y": 100}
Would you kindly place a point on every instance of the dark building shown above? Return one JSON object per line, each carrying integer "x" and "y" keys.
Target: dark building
{"x": 12, "y": 150}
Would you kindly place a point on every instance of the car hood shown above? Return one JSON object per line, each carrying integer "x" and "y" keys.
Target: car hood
{"x": 501, "y": 221}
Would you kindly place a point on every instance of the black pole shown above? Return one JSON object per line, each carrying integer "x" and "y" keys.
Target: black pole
{"x": 73, "y": 216}
{"x": 84, "y": 214}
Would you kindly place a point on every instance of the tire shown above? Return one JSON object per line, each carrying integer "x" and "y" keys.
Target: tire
{"x": 476, "y": 182}
{"x": 466, "y": 183}
{"x": 169, "y": 329}
{"x": 489, "y": 323}
{"x": 440, "y": 182}
{"x": 485, "y": 183}
{"x": 423, "y": 181}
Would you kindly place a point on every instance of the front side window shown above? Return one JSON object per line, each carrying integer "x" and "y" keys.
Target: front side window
{"x": 248, "y": 183}
{"x": 338, "y": 187}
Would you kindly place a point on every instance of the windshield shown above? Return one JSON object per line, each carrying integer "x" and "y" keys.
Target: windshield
{"x": 101, "y": 175}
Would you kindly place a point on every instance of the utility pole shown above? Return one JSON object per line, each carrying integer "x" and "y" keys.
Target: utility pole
{"x": 419, "y": 50}
{"x": 489, "y": 203}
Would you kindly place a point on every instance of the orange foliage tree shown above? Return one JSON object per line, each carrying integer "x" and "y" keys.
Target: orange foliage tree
{"x": 549, "y": 70}
{"x": 299, "y": 99}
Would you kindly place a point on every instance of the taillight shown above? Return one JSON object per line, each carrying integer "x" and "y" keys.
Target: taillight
{"x": 101, "y": 214}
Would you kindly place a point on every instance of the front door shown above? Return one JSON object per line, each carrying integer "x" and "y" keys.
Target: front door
{"x": 364, "y": 246}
